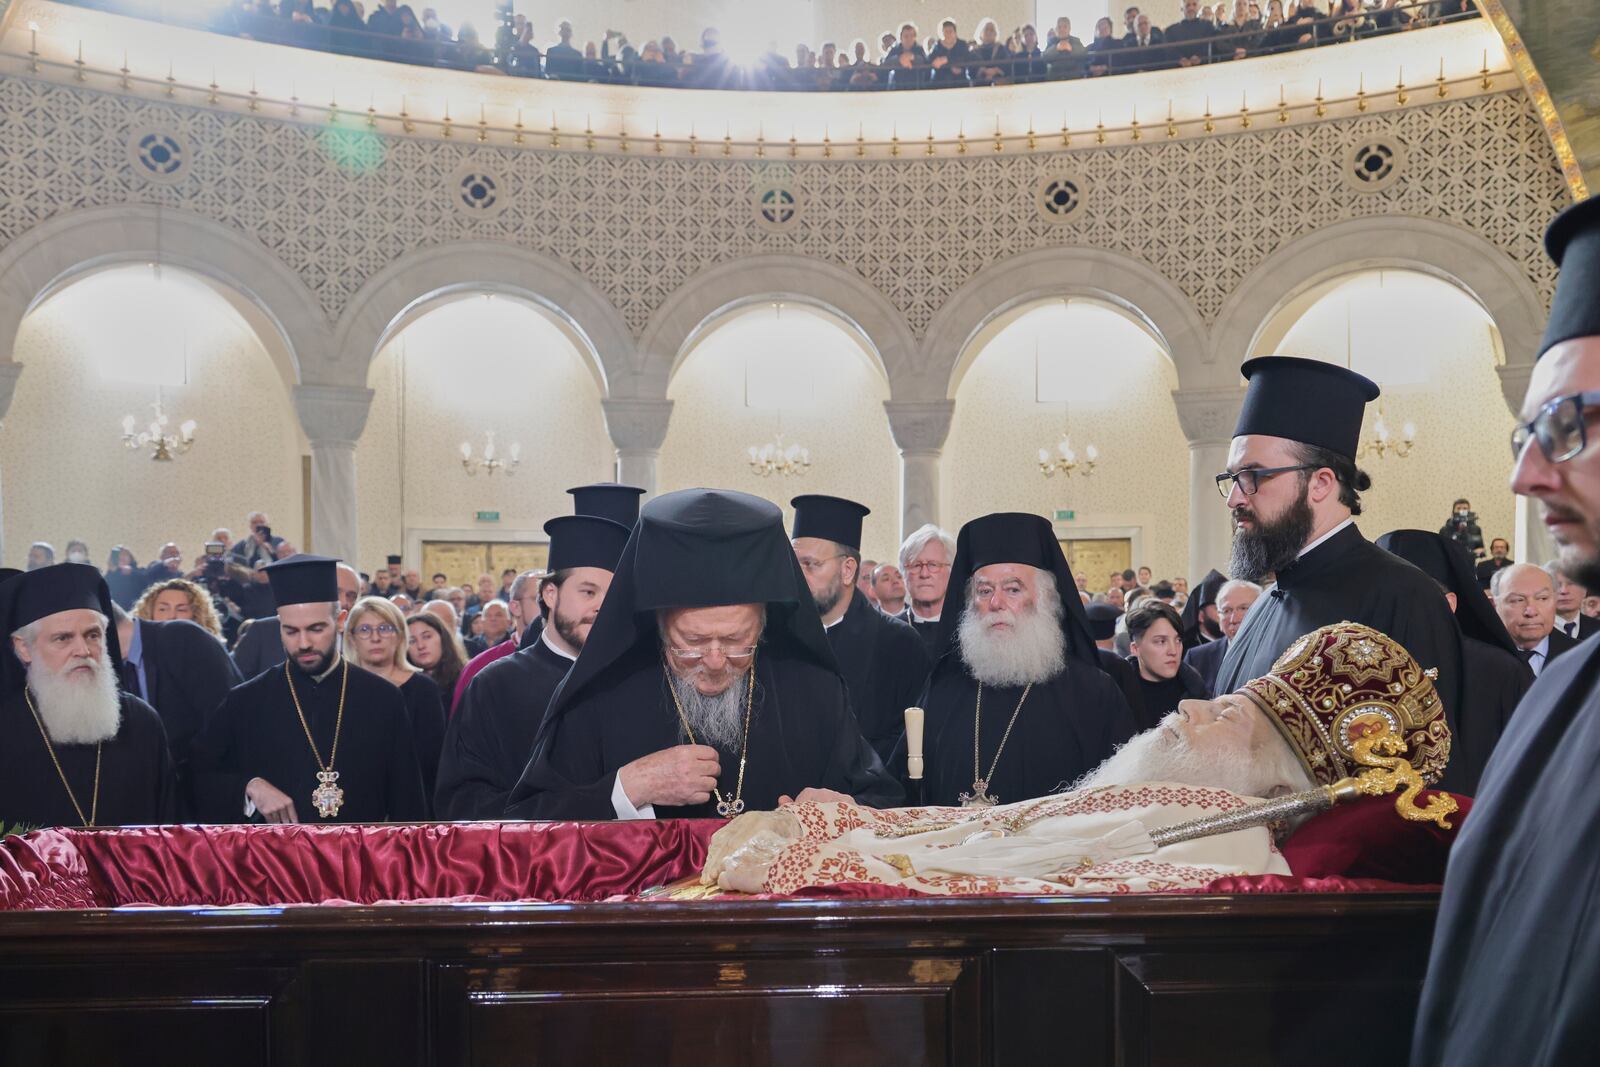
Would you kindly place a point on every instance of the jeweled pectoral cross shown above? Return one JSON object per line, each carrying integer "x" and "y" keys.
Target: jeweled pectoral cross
{"x": 327, "y": 796}
{"x": 729, "y": 808}
{"x": 979, "y": 797}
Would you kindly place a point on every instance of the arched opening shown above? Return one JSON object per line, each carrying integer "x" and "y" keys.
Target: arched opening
{"x": 105, "y": 346}
{"x": 1433, "y": 350}
{"x": 780, "y": 367}
{"x": 1089, "y": 372}
{"x": 468, "y": 365}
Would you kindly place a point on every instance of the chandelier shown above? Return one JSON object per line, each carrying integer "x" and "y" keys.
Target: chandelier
{"x": 1064, "y": 459}
{"x": 490, "y": 463}
{"x": 163, "y": 445}
{"x": 1383, "y": 443}
{"x": 775, "y": 457}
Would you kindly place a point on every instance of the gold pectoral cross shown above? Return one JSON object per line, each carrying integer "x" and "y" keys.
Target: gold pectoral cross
{"x": 327, "y": 796}
{"x": 979, "y": 797}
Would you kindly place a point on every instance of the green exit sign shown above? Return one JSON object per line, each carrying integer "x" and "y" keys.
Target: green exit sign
{"x": 488, "y": 516}
{"x": 1061, "y": 516}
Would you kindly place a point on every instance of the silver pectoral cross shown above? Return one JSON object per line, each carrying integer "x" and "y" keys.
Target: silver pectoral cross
{"x": 979, "y": 797}
{"x": 327, "y": 796}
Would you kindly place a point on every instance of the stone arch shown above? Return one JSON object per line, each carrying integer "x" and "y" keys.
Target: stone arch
{"x": 412, "y": 284}
{"x": 711, "y": 294}
{"x": 55, "y": 253}
{"x": 1439, "y": 249}
{"x": 1122, "y": 281}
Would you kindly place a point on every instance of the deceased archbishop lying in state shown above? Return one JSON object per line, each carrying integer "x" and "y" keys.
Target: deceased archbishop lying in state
{"x": 1290, "y": 731}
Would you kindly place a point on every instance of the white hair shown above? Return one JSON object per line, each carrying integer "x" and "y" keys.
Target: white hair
{"x": 1234, "y": 585}
{"x": 1034, "y": 651}
{"x": 919, "y": 540}
{"x": 1160, "y": 754}
{"x": 74, "y": 711}
{"x": 1499, "y": 579}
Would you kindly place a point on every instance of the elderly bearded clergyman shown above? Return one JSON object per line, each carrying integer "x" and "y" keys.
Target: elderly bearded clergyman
{"x": 706, "y": 685}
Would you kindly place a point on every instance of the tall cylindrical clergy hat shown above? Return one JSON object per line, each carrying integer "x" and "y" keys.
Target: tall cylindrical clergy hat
{"x": 830, "y": 518}
{"x": 304, "y": 580}
{"x": 585, "y": 541}
{"x": 1305, "y": 400}
{"x": 394, "y": 561}
{"x": 1573, "y": 242}
{"x": 608, "y": 500}
{"x": 29, "y": 596}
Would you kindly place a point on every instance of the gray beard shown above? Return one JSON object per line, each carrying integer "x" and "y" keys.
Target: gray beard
{"x": 1159, "y": 756}
{"x": 1034, "y": 651}
{"x": 77, "y": 711}
{"x": 716, "y": 720}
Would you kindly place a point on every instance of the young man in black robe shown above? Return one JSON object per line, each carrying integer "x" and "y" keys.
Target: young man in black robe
{"x": 1515, "y": 971}
{"x": 490, "y": 737}
{"x": 1164, "y": 679}
{"x": 1493, "y": 679}
{"x": 1294, "y": 489}
{"x": 261, "y": 647}
{"x": 1017, "y": 705}
{"x": 73, "y": 750}
{"x": 315, "y": 740}
{"x": 706, "y": 686}
{"x": 884, "y": 662}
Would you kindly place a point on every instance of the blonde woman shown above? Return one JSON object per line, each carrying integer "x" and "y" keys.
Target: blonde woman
{"x": 178, "y": 598}
{"x": 375, "y": 639}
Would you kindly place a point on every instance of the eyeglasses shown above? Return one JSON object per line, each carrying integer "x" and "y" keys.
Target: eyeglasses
{"x": 734, "y": 654}
{"x": 926, "y": 566}
{"x": 812, "y": 566}
{"x": 1561, "y": 427}
{"x": 366, "y": 631}
{"x": 1249, "y": 479}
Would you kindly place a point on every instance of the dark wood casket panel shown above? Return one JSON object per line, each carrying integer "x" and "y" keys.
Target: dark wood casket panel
{"x": 1287, "y": 979}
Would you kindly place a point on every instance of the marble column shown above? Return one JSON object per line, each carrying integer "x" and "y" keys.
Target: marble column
{"x": 637, "y": 428}
{"x": 1208, "y": 417}
{"x": 919, "y": 428}
{"x": 333, "y": 417}
{"x": 9, "y": 373}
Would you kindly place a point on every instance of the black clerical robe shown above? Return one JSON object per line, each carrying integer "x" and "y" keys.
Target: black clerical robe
{"x": 928, "y": 630}
{"x": 256, "y": 733}
{"x": 1493, "y": 684}
{"x": 135, "y": 771}
{"x": 1349, "y": 579}
{"x": 425, "y": 710}
{"x": 1066, "y": 728}
{"x": 1515, "y": 972}
{"x": 885, "y": 667}
{"x": 490, "y": 737}
{"x": 802, "y": 734}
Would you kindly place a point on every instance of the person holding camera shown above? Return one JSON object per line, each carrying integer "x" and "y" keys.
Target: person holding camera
{"x": 1462, "y": 528}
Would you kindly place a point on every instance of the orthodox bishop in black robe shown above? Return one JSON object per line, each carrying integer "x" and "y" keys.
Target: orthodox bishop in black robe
{"x": 1515, "y": 973}
{"x": 490, "y": 738}
{"x": 884, "y": 663}
{"x": 1033, "y": 737}
{"x": 697, "y": 549}
{"x": 52, "y": 772}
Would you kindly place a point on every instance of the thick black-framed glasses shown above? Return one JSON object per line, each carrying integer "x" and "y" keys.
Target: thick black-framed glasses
{"x": 1249, "y": 479}
{"x": 1561, "y": 427}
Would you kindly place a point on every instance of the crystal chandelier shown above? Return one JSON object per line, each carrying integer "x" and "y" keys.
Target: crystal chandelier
{"x": 1383, "y": 443}
{"x": 163, "y": 445}
{"x": 490, "y": 463}
{"x": 775, "y": 457}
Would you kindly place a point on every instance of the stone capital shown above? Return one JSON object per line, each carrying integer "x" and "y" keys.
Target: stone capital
{"x": 332, "y": 414}
{"x": 919, "y": 425}
{"x": 9, "y": 373}
{"x": 1208, "y": 416}
{"x": 637, "y": 425}
{"x": 1513, "y": 384}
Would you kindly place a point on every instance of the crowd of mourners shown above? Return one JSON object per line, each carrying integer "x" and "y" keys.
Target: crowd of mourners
{"x": 899, "y": 59}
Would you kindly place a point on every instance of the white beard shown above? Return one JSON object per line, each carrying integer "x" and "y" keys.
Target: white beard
{"x": 716, "y": 720}
{"x": 1035, "y": 649}
{"x": 1162, "y": 755}
{"x": 77, "y": 710}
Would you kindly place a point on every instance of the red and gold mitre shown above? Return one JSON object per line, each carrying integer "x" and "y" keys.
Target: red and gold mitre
{"x": 1329, "y": 679}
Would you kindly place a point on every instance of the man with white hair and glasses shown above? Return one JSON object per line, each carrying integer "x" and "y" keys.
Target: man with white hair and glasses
{"x": 925, "y": 561}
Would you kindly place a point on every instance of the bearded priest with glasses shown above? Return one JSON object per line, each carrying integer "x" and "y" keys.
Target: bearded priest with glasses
{"x": 1294, "y": 490}
{"x": 706, "y": 686}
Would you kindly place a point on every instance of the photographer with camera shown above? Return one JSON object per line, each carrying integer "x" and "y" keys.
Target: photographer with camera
{"x": 1462, "y": 528}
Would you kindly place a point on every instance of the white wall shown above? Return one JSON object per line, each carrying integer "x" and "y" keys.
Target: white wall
{"x": 832, "y": 403}
{"x": 66, "y": 471}
{"x": 474, "y": 364}
{"x": 1119, "y": 381}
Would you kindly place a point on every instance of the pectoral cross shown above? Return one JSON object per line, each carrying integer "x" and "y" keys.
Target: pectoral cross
{"x": 979, "y": 797}
{"x": 327, "y": 796}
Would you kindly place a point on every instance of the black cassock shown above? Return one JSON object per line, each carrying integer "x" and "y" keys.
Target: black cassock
{"x": 802, "y": 734}
{"x": 1349, "y": 579}
{"x": 884, "y": 665}
{"x": 490, "y": 737}
{"x": 930, "y": 632}
{"x": 1493, "y": 685}
{"x": 256, "y": 733}
{"x": 425, "y": 710}
{"x": 1515, "y": 972}
{"x": 135, "y": 771}
{"x": 1066, "y": 728}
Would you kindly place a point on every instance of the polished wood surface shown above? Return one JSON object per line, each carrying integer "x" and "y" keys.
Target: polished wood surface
{"x": 1187, "y": 980}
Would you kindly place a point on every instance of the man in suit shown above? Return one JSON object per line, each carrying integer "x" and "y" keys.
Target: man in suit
{"x": 183, "y": 672}
{"x": 1499, "y": 559}
{"x": 1525, "y": 597}
{"x": 1233, "y": 602}
{"x": 1570, "y": 619}
{"x": 261, "y": 647}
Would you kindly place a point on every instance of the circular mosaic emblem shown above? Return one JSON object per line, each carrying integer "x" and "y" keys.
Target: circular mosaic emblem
{"x": 159, "y": 156}
{"x": 1060, "y": 198}
{"x": 478, "y": 192}
{"x": 777, "y": 208}
{"x": 1374, "y": 165}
